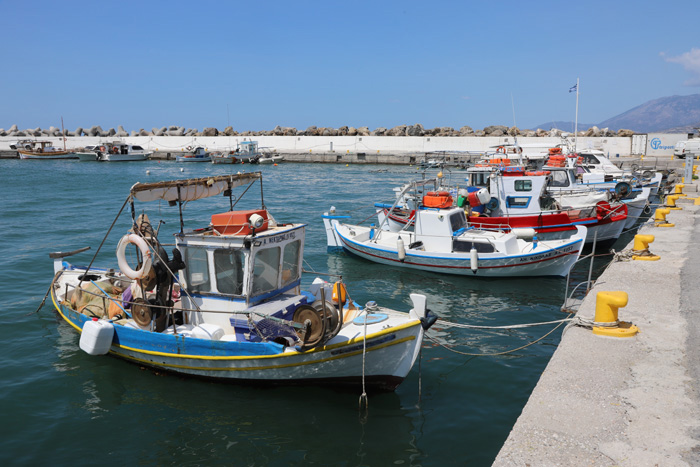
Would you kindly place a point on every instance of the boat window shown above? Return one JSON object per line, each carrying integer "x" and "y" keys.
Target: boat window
{"x": 266, "y": 270}
{"x": 228, "y": 270}
{"x": 517, "y": 201}
{"x": 197, "y": 269}
{"x": 290, "y": 262}
{"x": 479, "y": 179}
{"x": 590, "y": 159}
{"x": 457, "y": 221}
{"x": 137, "y": 148}
{"x": 559, "y": 179}
{"x": 523, "y": 185}
{"x": 460, "y": 246}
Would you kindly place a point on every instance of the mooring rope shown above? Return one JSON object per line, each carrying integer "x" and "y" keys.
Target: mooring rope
{"x": 53, "y": 281}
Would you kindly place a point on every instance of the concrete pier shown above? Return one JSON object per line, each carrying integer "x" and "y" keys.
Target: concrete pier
{"x": 631, "y": 401}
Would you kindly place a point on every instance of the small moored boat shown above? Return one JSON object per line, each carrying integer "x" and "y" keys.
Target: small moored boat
{"x": 29, "y": 149}
{"x": 198, "y": 154}
{"x": 228, "y": 305}
{"x": 443, "y": 241}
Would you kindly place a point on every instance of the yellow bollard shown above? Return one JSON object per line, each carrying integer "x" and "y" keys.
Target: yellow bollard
{"x": 671, "y": 202}
{"x": 660, "y": 218}
{"x": 640, "y": 249}
{"x": 606, "y": 306}
{"x": 678, "y": 190}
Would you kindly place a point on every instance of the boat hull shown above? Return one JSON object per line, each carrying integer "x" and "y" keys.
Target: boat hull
{"x": 86, "y": 156}
{"x": 545, "y": 262}
{"x": 37, "y": 156}
{"x": 388, "y": 355}
{"x": 124, "y": 157}
{"x": 193, "y": 159}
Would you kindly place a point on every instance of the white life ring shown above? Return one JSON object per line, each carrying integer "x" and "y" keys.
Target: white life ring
{"x": 145, "y": 252}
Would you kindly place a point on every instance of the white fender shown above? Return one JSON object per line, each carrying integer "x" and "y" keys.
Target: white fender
{"x": 401, "y": 249}
{"x": 474, "y": 260}
{"x": 145, "y": 252}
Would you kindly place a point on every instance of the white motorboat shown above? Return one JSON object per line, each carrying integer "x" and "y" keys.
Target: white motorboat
{"x": 228, "y": 304}
{"x": 270, "y": 159}
{"x": 114, "y": 151}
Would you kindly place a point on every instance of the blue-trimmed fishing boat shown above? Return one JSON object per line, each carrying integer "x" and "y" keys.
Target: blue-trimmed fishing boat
{"x": 443, "y": 241}
{"x": 227, "y": 303}
{"x": 198, "y": 154}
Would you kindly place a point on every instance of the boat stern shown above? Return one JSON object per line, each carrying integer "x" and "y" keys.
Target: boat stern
{"x": 329, "y": 219}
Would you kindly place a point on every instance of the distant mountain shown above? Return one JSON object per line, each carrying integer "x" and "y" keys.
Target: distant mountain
{"x": 658, "y": 115}
{"x": 674, "y": 114}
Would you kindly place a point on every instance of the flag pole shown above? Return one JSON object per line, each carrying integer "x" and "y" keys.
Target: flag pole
{"x": 576, "y": 121}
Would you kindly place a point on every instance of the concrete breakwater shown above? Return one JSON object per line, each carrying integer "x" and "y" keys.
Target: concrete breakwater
{"x": 369, "y": 149}
{"x": 625, "y": 401}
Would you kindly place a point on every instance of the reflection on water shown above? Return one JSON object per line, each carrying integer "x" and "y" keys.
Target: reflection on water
{"x": 67, "y": 407}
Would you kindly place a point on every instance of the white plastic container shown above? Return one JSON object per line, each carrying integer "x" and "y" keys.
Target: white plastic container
{"x": 208, "y": 331}
{"x": 96, "y": 338}
{"x": 182, "y": 330}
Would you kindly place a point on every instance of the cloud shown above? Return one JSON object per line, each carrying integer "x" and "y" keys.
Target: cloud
{"x": 691, "y": 62}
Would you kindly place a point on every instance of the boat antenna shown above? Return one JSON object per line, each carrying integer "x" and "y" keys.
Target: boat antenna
{"x": 262, "y": 197}
{"x": 576, "y": 119}
{"x": 515, "y": 135}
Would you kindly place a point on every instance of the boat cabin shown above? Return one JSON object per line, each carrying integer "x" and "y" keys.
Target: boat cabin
{"x": 243, "y": 258}
{"x": 247, "y": 148}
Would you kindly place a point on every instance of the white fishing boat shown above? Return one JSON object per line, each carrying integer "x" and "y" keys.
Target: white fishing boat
{"x": 198, "y": 154}
{"x": 518, "y": 194}
{"x": 442, "y": 241}
{"x": 228, "y": 303}
{"x": 270, "y": 158}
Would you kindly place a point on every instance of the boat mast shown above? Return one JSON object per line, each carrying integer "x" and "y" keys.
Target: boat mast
{"x": 63, "y": 134}
{"x": 576, "y": 121}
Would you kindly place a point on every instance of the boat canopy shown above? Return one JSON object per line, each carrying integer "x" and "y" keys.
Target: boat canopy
{"x": 191, "y": 189}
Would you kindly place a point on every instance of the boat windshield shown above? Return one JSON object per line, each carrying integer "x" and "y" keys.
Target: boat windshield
{"x": 559, "y": 179}
{"x": 479, "y": 179}
{"x": 590, "y": 159}
{"x": 197, "y": 271}
{"x": 266, "y": 270}
{"x": 228, "y": 270}
{"x": 267, "y": 275}
{"x": 458, "y": 221}
{"x": 290, "y": 262}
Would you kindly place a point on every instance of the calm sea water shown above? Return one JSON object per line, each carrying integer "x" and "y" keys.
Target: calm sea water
{"x": 62, "y": 406}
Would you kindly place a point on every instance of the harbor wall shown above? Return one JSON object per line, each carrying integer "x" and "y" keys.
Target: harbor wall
{"x": 630, "y": 401}
{"x": 340, "y": 144}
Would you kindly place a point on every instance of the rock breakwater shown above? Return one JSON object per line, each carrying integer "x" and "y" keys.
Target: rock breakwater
{"x": 401, "y": 130}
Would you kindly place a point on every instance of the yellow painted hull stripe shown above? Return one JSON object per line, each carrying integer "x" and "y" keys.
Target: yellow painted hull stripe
{"x": 213, "y": 357}
{"x": 267, "y": 367}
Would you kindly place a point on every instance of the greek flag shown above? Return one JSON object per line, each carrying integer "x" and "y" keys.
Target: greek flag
{"x": 573, "y": 88}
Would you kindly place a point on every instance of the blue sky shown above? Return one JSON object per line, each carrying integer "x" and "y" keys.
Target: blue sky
{"x": 258, "y": 64}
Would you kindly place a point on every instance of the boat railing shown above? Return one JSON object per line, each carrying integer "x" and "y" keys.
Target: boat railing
{"x": 106, "y": 297}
